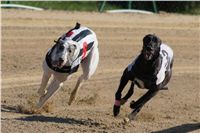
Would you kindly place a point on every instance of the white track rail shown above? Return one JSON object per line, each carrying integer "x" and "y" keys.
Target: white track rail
{"x": 129, "y": 11}
{"x": 20, "y": 6}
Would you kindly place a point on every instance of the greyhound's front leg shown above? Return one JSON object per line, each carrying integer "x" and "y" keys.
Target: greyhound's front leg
{"x": 53, "y": 87}
{"x": 74, "y": 92}
{"x": 45, "y": 78}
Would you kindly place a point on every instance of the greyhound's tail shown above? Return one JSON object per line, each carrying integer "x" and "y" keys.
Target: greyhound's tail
{"x": 77, "y": 26}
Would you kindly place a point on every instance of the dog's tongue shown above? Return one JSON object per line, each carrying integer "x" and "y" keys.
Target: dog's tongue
{"x": 60, "y": 65}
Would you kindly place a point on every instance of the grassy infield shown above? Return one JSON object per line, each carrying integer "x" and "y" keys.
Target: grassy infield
{"x": 66, "y": 5}
{"x": 79, "y": 5}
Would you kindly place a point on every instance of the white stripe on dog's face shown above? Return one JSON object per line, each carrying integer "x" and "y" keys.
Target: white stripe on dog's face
{"x": 71, "y": 53}
{"x": 63, "y": 53}
{"x": 59, "y": 55}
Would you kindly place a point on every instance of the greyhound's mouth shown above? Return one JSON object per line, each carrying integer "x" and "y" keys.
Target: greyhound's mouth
{"x": 148, "y": 55}
{"x": 57, "y": 64}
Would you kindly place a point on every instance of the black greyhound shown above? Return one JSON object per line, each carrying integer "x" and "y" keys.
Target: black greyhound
{"x": 151, "y": 69}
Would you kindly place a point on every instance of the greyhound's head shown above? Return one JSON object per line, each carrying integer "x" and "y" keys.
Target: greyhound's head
{"x": 151, "y": 46}
{"x": 65, "y": 52}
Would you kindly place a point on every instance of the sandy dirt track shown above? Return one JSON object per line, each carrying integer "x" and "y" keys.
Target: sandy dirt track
{"x": 26, "y": 37}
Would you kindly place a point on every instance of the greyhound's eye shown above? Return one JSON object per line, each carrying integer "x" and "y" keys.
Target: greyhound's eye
{"x": 61, "y": 47}
{"x": 69, "y": 50}
{"x": 149, "y": 49}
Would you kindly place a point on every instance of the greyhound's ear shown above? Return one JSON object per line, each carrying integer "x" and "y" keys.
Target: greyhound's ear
{"x": 56, "y": 41}
{"x": 158, "y": 40}
{"x": 74, "y": 46}
{"x": 71, "y": 42}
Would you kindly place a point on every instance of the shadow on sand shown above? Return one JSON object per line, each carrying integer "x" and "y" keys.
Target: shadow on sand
{"x": 185, "y": 128}
{"x": 40, "y": 118}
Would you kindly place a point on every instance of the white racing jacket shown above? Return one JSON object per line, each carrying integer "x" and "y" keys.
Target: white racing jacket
{"x": 85, "y": 39}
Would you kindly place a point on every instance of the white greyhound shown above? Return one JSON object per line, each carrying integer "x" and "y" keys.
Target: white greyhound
{"x": 78, "y": 46}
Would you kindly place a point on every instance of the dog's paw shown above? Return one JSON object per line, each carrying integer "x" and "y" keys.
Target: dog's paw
{"x": 129, "y": 118}
{"x": 132, "y": 116}
{"x": 116, "y": 110}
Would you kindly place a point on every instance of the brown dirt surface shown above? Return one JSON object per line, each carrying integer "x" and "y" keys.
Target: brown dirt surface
{"x": 26, "y": 37}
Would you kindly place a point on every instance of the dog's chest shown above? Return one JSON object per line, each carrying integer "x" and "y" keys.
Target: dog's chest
{"x": 144, "y": 69}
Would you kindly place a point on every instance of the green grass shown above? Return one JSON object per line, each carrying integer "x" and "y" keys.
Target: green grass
{"x": 61, "y": 5}
{"x": 195, "y": 11}
{"x": 85, "y": 6}
{"x": 66, "y": 5}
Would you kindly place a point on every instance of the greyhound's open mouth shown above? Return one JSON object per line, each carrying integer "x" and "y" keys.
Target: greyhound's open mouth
{"x": 57, "y": 64}
{"x": 148, "y": 55}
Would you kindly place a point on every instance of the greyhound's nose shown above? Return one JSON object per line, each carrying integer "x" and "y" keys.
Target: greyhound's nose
{"x": 61, "y": 60}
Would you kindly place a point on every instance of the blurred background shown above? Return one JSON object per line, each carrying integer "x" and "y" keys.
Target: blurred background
{"x": 183, "y": 7}
{"x": 28, "y": 34}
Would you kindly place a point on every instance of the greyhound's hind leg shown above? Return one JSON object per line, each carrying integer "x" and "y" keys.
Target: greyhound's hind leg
{"x": 89, "y": 66}
{"x": 74, "y": 92}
